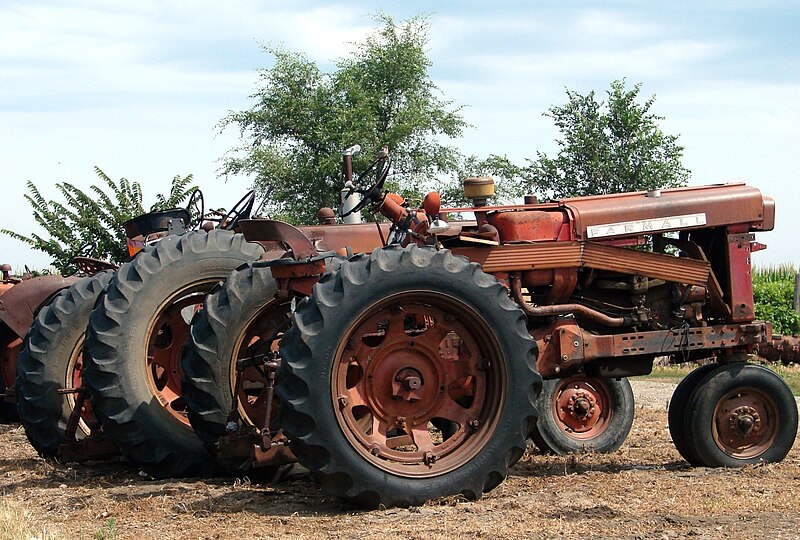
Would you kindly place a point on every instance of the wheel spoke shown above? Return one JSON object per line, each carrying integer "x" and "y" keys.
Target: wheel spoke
{"x": 422, "y": 437}
{"x": 354, "y": 397}
{"x": 450, "y": 410}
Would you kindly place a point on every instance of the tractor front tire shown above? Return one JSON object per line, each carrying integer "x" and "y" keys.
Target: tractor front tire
{"x": 408, "y": 375}
{"x": 134, "y": 341}
{"x": 740, "y": 414}
{"x": 583, "y": 414}
{"x": 677, "y": 410}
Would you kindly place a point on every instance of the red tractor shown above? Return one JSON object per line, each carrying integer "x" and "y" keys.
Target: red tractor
{"x": 408, "y": 365}
{"x": 51, "y": 386}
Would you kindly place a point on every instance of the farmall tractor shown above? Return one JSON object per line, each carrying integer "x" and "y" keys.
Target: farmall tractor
{"x": 20, "y": 300}
{"x": 53, "y": 371}
{"x": 410, "y": 369}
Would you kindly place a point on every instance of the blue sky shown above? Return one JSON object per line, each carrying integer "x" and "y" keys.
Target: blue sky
{"x": 137, "y": 88}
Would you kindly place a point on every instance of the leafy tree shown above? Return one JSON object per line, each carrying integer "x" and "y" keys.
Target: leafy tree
{"x": 380, "y": 95}
{"x": 608, "y": 147}
{"x": 94, "y": 219}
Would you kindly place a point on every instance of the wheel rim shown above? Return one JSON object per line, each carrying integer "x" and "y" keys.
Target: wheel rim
{"x": 166, "y": 336}
{"x": 73, "y": 381}
{"x": 582, "y": 407}
{"x": 745, "y": 423}
{"x": 253, "y": 339}
{"x": 418, "y": 383}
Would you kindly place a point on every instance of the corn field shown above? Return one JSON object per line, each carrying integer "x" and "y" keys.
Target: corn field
{"x": 773, "y": 288}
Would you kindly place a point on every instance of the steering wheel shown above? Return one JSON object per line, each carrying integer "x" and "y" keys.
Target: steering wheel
{"x": 372, "y": 194}
{"x": 196, "y": 208}
{"x": 241, "y": 210}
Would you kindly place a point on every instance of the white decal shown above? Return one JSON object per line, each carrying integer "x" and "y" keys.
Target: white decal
{"x": 646, "y": 225}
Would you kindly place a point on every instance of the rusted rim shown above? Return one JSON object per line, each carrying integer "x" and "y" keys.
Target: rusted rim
{"x": 582, "y": 406}
{"x": 165, "y": 338}
{"x": 745, "y": 423}
{"x": 73, "y": 381}
{"x": 253, "y": 340}
{"x": 418, "y": 383}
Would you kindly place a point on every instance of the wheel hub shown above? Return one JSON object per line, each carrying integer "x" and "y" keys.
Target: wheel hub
{"x": 744, "y": 424}
{"x": 578, "y": 408}
{"x": 402, "y": 383}
{"x": 406, "y": 383}
{"x": 746, "y": 421}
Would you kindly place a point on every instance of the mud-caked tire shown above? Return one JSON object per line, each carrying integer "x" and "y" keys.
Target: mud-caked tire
{"x": 242, "y": 309}
{"x": 388, "y": 347}
{"x": 583, "y": 414}
{"x": 50, "y": 360}
{"x": 740, "y": 414}
{"x": 144, "y": 313}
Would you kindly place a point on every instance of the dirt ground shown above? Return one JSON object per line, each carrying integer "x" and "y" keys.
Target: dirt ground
{"x": 643, "y": 491}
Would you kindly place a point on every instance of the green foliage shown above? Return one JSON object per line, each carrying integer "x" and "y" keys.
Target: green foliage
{"x": 94, "y": 219}
{"x": 773, "y": 290}
{"x": 108, "y": 531}
{"x": 381, "y": 95}
{"x": 608, "y": 147}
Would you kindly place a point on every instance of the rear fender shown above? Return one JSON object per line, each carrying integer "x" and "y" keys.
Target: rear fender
{"x": 19, "y": 305}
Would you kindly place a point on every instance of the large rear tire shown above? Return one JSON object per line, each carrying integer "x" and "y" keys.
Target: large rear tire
{"x": 134, "y": 341}
{"x": 583, "y": 414}
{"x": 51, "y": 360}
{"x": 407, "y": 375}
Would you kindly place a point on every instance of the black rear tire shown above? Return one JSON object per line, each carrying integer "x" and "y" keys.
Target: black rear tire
{"x": 424, "y": 295}
{"x": 564, "y": 429}
{"x": 138, "y": 400}
{"x": 48, "y": 361}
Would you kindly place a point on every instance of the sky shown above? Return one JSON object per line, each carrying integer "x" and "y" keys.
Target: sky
{"x": 138, "y": 88}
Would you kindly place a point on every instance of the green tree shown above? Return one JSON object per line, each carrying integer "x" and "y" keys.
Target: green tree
{"x": 94, "y": 219}
{"x": 380, "y": 95}
{"x": 608, "y": 147}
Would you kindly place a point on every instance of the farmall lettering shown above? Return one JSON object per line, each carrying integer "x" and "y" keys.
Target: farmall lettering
{"x": 645, "y": 226}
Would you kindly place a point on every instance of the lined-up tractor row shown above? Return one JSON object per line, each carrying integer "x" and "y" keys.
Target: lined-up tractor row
{"x": 414, "y": 357}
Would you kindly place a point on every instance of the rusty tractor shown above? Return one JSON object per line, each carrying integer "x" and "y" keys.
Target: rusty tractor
{"x": 20, "y": 301}
{"x": 411, "y": 369}
{"x": 135, "y": 335}
{"x": 51, "y": 397}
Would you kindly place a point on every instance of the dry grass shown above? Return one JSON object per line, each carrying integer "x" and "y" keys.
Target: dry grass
{"x": 643, "y": 491}
{"x": 18, "y": 523}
